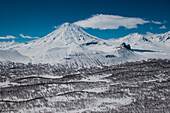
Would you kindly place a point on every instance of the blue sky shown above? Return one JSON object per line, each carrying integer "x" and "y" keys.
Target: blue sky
{"x": 37, "y": 18}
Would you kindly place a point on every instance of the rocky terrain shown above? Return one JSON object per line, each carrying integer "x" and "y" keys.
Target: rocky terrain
{"x": 138, "y": 87}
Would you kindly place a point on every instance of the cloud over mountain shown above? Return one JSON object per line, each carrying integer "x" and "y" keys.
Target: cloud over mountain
{"x": 163, "y": 27}
{"x": 23, "y": 36}
{"x": 8, "y": 37}
{"x": 103, "y": 22}
{"x": 156, "y": 22}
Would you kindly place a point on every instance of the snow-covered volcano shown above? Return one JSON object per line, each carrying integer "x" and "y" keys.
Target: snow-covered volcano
{"x": 66, "y": 34}
{"x": 69, "y": 44}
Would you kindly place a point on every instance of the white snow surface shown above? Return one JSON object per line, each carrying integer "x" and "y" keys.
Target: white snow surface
{"x": 13, "y": 55}
{"x": 69, "y": 44}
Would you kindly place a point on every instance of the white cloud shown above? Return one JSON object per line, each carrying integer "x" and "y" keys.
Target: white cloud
{"x": 55, "y": 27}
{"x": 163, "y": 27}
{"x": 23, "y": 36}
{"x": 156, "y": 22}
{"x": 103, "y": 22}
{"x": 8, "y": 37}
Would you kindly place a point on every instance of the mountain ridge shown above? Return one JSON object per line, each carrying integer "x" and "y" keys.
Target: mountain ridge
{"x": 70, "y": 44}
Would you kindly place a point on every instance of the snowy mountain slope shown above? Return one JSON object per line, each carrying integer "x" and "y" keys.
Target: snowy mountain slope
{"x": 13, "y": 55}
{"x": 66, "y": 34}
{"x": 7, "y": 44}
{"x": 70, "y": 45}
{"x": 78, "y": 55}
{"x": 153, "y": 41}
{"x": 149, "y": 45}
{"x": 164, "y": 37}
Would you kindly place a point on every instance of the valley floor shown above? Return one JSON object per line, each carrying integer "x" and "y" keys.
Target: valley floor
{"x": 138, "y": 87}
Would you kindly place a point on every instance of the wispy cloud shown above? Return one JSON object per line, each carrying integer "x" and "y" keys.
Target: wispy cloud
{"x": 55, "y": 26}
{"x": 23, "y": 36}
{"x": 156, "y": 22}
{"x": 8, "y": 37}
{"x": 163, "y": 27}
{"x": 103, "y": 22}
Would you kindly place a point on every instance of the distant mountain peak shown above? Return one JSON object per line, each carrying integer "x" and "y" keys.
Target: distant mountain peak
{"x": 66, "y": 34}
{"x": 68, "y": 25}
